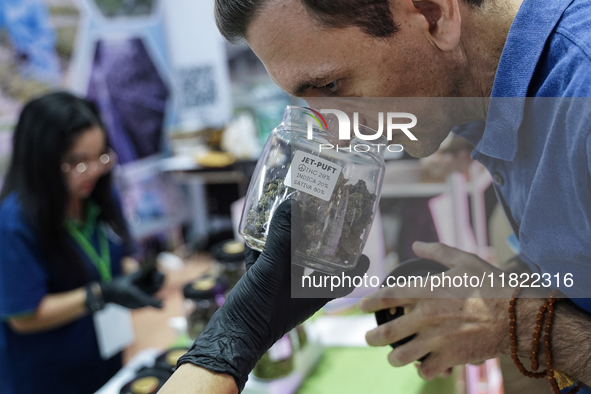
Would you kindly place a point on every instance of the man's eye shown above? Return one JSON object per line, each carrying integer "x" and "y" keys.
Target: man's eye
{"x": 332, "y": 87}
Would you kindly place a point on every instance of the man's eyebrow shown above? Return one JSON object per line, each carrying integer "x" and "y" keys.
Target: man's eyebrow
{"x": 310, "y": 82}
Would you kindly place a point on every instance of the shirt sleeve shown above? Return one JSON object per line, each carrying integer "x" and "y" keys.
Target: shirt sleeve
{"x": 23, "y": 281}
{"x": 585, "y": 303}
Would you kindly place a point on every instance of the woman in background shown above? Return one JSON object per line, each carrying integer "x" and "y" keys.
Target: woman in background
{"x": 62, "y": 241}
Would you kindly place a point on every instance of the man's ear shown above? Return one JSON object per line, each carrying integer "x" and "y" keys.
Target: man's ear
{"x": 443, "y": 20}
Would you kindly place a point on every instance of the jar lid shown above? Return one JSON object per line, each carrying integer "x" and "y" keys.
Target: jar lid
{"x": 168, "y": 359}
{"x": 173, "y": 356}
{"x": 205, "y": 287}
{"x": 145, "y": 385}
{"x": 147, "y": 381}
{"x": 228, "y": 251}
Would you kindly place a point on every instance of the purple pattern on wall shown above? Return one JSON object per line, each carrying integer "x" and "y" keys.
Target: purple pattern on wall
{"x": 131, "y": 96}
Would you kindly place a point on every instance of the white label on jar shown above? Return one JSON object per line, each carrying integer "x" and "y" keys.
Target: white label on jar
{"x": 281, "y": 350}
{"x": 313, "y": 175}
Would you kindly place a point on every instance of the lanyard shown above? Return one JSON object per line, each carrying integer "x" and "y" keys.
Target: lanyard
{"x": 103, "y": 261}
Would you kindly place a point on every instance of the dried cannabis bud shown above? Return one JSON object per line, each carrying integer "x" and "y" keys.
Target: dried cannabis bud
{"x": 333, "y": 230}
{"x": 259, "y": 216}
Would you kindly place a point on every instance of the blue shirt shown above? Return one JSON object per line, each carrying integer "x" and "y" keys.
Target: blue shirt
{"x": 539, "y": 149}
{"x": 64, "y": 360}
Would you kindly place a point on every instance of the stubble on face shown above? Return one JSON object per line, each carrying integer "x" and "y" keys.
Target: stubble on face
{"x": 297, "y": 48}
{"x": 302, "y": 55}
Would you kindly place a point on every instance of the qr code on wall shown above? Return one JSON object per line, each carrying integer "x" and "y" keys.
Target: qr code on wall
{"x": 198, "y": 86}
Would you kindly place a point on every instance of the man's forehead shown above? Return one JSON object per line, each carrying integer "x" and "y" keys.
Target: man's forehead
{"x": 275, "y": 17}
{"x": 292, "y": 45}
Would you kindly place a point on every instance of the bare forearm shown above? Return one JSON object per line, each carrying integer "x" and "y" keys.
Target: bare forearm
{"x": 570, "y": 340}
{"x": 190, "y": 379}
{"x": 55, "y": 310}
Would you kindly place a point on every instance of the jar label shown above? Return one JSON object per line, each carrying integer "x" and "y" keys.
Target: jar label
{"x": 313, "y": 175}
{"x": 281, "y": 350}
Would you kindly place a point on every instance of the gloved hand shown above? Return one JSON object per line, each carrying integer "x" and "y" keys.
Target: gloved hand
{"x": 260, "y": 309}
{"x": 123, "y": 291}
{"x": 150, "y": 281}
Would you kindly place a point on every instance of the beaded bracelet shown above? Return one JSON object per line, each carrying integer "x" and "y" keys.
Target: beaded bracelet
{"x": 547, "y": 345}
{"x": 537, "y": 332}
{"x": 513, "y": 335}
{"x": 548, "y": 308}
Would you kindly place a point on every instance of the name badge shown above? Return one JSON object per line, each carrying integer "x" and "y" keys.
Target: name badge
{"x": 114, "y": 330}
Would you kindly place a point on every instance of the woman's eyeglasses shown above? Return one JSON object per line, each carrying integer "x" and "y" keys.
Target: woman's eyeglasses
{"x": 104, "y": 164}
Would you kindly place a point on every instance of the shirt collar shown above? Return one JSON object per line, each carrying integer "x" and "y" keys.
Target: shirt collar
{"x": 527, "y": 37}
{"x": 91, "y": 214}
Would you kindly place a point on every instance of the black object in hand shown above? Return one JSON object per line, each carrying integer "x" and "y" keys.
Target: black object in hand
{"x": 124, "y": 291}
{"x": 415, "y": 267}
{"x": 148, "y": 278}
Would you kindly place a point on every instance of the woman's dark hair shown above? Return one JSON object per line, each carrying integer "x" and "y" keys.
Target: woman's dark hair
{"x": 374, "y": 17}
{"x": 46, "y": 129}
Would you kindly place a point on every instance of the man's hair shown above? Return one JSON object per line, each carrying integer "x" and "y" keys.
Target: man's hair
{"x": 374, "y": 17}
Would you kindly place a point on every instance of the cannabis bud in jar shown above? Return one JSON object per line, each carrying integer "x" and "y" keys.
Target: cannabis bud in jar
{"x": 259, "y": 217}
{"x": 337, "y": 190}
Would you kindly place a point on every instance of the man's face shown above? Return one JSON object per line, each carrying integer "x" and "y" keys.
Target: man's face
{"x": 307, "y": 59}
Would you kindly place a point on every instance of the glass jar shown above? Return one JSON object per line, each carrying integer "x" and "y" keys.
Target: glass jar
{"x": 277, "y": 362}
{"x": 299, "y": 338}
{"x": 302, "y": 336}
{"x": 338, "y": 190}
{"x": 203, "y": 297}
{"x": 230, "y": 257}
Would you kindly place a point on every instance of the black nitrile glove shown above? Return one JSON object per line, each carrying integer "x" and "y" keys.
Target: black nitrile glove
{"x": 150, "y": 281}
{"x": 260, "y": 309}
{"x": 123, "y": 291}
